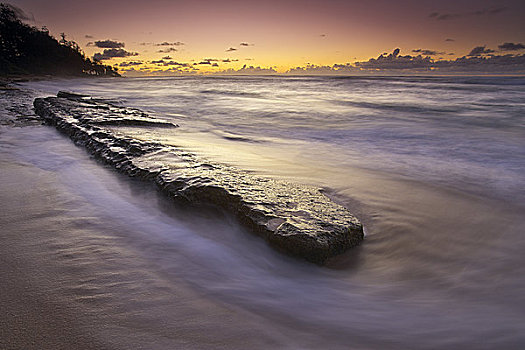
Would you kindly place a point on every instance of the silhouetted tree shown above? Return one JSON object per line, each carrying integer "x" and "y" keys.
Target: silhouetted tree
{"x": 29, "y": 50}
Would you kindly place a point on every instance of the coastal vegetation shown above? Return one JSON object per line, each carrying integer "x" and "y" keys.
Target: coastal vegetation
{"x": 27, "y": 50}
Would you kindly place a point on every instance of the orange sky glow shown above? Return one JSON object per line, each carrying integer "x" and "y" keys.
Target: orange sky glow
{"x": 172, "y": 37}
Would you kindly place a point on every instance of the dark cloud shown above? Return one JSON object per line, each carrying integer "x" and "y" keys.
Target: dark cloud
{"x": 87, "y": 36}
{"x": 467, "y": 64}
{"x": 248, "y": 70}
{"x": 394, "y": 61}
{"x": 130, "y": 63}
{"x": 231, "y": 49}
{"x": 479, "y": 64}
{"x": 511, "y": 47}
{"x": 479, "y": 50}
{"x": 323, "y": 35}
{"x": 312, "y": 69}
{"x": 213, "y": 62}
{"x": 449, "y": 39}
{"x": 108, "y": 44}
{"x": 246, "y": 44}
{"x": 180, "y": 64}
{"x": 445, "y": 16}
{"x": 112, "y": 53}
{"x": 170, "y": 63}
{"x": 428, "y": 52}
{"x": 166, "y": 58}
{"x": 166, "y": 43}
{"x": 168, "y": 50}
{"x": 488, "y": 11}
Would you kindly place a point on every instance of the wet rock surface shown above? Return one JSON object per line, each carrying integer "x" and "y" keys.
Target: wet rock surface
{"x": 15, "y": 106}
{"x": 296, "y": 219}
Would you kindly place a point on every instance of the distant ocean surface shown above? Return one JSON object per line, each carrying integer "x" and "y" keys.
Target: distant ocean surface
{"x": 433, "y": 166}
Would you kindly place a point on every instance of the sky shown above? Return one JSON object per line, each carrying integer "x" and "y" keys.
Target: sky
{"x": 308, "y": 36}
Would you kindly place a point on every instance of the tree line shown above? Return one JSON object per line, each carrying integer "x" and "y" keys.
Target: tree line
{"x": 27, "y": 50}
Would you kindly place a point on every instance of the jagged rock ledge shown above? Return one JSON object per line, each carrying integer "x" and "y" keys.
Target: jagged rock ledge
{"x": 296, "y": 219}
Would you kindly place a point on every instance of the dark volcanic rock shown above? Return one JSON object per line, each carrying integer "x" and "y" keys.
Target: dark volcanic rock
{"x": 296, "y": 219}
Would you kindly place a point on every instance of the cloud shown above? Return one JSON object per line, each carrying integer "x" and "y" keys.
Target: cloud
{"x": 166, "y": 58}
{"x": 248, "y": 70}
{"x": 166, "y": 43}
{"x": 168, "y": 50}
{"x": 479, "y": 50}
{"x": 488, "y": 11}
{"x": 231, "y": 49}
{"x": 112, "y": 53}
{"x": 312, "y": 69}
{"x": 130, "y": 63}
{"x": 449, "y": 39}
{"x": 246, "y": 44}
{"x": 394, "y": 61}
{"x": 511, "y": 47}
{"x": 180, "y": 64}
{"x": 170, "y": 63}
{"x": 445, "y": 16}
{"x": 472, "y": 63}
{"x": 323, "y": 35}
{"x": 492, "y": 64}
{"x": 428, "y": 52}
{"x": 87, "y": 36}
{"x": 108, "y": 44}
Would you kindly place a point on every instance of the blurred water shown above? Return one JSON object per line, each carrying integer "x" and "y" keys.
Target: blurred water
{"x": 463, "y": 132}
{"x": 434, "y": 167}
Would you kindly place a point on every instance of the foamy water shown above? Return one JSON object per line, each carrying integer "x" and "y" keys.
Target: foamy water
{"x": 434, "y": 167}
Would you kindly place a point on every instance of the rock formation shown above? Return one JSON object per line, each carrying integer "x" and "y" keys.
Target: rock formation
{"x": 296, "y": 219}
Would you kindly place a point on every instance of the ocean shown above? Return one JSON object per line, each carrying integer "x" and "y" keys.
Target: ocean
{"x": 434, "y": 167}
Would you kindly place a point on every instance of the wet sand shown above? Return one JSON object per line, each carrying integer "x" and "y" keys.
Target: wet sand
{"x": 72, "y": 279}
